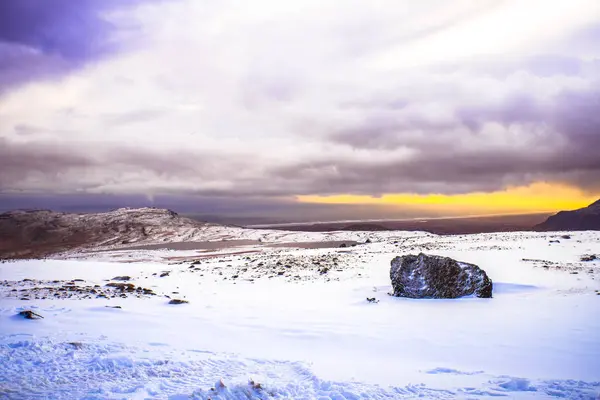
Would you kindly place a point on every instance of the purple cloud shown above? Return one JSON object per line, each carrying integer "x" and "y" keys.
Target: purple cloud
{"x": 40, "y": 39}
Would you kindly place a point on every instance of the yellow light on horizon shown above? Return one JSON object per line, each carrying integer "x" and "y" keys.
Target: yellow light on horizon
{"x": 537, "y": 197}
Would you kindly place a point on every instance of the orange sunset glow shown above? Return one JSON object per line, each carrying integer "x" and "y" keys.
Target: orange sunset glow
{"x": 537, "y": 197}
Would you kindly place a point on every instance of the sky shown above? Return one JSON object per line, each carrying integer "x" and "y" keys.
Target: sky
{"x": 321, "y": 109}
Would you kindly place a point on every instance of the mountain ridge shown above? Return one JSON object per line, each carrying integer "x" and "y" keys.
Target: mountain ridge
{"x": 38, "y": 233}
{"x": 583, "y": 219}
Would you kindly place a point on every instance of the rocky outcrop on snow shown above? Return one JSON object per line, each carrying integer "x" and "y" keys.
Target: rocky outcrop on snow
{"x": 425, "y": 276}
{"x": 584, "y": 219}
{"x": 36, "y": 233}
{"x": 32, "y": 289}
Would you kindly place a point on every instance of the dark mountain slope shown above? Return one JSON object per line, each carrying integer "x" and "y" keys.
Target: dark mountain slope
{"x": 37, "y": 233}
{"x": 584, "y": 219}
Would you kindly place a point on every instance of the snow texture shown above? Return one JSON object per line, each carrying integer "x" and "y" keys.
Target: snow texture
{"x": 249, "y": 332}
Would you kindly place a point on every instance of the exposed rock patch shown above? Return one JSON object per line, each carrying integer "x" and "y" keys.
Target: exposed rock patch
{"x": 40, "y": 290}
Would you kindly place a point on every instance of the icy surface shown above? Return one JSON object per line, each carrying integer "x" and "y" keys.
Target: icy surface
{"x": 264, "y": 335}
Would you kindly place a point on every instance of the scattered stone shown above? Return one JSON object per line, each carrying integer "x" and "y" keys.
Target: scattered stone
{"x": 178, "y": 301}
{"x": 121, "y": 278}
{"x": 129, "y": 287}
{"x": 590, "y": 257}
{"x": 555, "y": 241}
{"x": 425, "y": 276}
{"x": 372, "y": 300}
{"x": 166, "y": 273}
{"x": 566, "y": 237}
{"x": 113, "y": 306}
{"x": 28, "y": 314}
{"x": 254, "y": 385}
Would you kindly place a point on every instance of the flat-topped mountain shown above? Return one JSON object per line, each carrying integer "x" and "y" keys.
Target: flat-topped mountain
{"x": 35, "y": 233}
{"x": 583, "y": 219}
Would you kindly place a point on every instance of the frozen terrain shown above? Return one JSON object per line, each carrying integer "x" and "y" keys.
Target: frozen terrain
{"x": 270, "y": 319}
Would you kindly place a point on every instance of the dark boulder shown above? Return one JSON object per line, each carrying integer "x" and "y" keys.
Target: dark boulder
{"x": 436, "y": 277}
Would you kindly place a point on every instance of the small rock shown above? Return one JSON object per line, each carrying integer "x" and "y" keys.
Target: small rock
{"x": 178, "y": 301}
{"x": 566, "y": 237}
{"x": 28, "y": 314}
{"x": 166, "y": 273}
{"x": 591, "y": 257}
{"x": 121, "y": 278}
{"x": 372, "y": 300}
{"x": 254, "y": 385}
{"x": 113, "y": 306}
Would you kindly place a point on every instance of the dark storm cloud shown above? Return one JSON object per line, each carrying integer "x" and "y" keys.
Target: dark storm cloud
{"x": 41, "y": 38}
{"x": 554, "y": 139}
{"x": 47, "y": 161}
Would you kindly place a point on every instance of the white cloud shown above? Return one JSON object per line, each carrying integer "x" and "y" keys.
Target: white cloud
{"x": 264, "y": 85}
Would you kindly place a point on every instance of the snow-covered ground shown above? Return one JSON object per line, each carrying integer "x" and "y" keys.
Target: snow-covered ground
{"x": 276, "y": 322}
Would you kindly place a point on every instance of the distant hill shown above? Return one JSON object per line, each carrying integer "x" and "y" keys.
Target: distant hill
{"x": 37, "y": 233}
{"x": 584, "y": 219}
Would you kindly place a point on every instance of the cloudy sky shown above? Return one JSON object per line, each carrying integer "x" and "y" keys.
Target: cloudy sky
{"x": 332, "y": 107}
